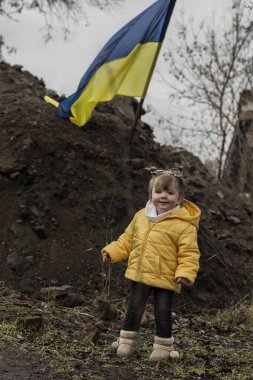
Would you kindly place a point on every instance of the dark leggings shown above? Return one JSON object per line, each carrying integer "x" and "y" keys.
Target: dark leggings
{"x": 163, "y": 299}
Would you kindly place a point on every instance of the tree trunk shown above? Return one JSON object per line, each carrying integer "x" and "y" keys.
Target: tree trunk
{"x": 238, "y": 172}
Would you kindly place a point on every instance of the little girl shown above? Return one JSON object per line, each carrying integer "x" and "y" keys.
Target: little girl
{"x": 162, "y": 251}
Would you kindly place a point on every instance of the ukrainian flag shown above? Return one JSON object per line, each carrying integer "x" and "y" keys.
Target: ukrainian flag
{"x": 123, "y": 67}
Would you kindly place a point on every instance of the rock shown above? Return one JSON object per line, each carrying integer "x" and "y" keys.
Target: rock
{"x": 36, "y": 212}
{"x": 216, "y": 213}
{"x": 5, "y": 292}
{"x": 32, "y": 323}
{"x": 105, "y": 311}
{"x": 70, "y": 300}
{"x": 235, "y": 246}
{"x": 220, "y": 194}
{"x": 40, "y": 231}
{"x": 12, "y": 162}
{"x": 147, "y": 320}
{"x": 223, "y": 234}
{"x": 91, "y": 333}
{"x": 52, "y": 292}
{"x": 62, "y": 295}
{"x": 17, "y": 263}
{"x": 14, "y": 175}
{"x": 234, "y": 219}
{"x": 30, "y": 259}
{"x": 28, "y": 142}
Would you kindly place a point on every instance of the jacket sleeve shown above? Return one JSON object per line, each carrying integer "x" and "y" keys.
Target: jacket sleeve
{"x": 188, "y": 255}
{"x": 120, "y": 249}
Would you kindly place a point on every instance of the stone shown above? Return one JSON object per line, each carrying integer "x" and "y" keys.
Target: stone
{"x": 234, "y": 219}
{"x": 52, "y": 292}
{"x": 147, "y": 320}
{"x": 32, "y": 323}
{"x": 12, "y": 162}
{"x": 70, "y": 300}
{"x": 220, "y": 194}
{"x": 40, "y": 231}
{"x": 17, "y": 263}
{"x": 92, "y": 333}
{"x": 223, "y": 234}
{"x": 104, "y": 310}
{"x": 14, "y": 175}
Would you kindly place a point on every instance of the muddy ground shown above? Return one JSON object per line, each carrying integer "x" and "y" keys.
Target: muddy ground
{"x": 75, "y": 344}
{"x": 67, "y": 191}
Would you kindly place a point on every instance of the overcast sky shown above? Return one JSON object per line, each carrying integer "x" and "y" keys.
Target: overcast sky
{"x": 61, "y": 63}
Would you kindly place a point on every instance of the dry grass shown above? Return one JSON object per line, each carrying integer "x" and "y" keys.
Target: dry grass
{"x": 238, "y": 315}
{"x": 207, "y": 351}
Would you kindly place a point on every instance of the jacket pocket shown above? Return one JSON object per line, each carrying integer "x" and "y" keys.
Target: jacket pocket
{"x": 157, "y": 266}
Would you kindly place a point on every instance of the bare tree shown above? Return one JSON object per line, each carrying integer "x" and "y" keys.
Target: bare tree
{"x": 5, "y": 47}
{"x": 209, "y": 68}
{"x": 55, "y": 11}
{"x": 250, "y": 4}
{"x": 17, "y": 6}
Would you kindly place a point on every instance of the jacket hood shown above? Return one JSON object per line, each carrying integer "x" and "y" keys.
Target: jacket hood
{"x": 188, "y": 212}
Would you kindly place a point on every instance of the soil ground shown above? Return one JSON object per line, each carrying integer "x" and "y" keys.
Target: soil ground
{"x": 75, "y": 344}
{"x": 67, "y": 191}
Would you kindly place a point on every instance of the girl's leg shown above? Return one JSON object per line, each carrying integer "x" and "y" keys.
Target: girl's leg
{"x": 163, "y": 348}
{"x": 126, "y": 344}
{"x": 163, "y": 300}
{"x": 139, "y": 294}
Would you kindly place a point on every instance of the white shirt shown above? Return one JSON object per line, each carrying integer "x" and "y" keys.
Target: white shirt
{"x": 151, "y": 212}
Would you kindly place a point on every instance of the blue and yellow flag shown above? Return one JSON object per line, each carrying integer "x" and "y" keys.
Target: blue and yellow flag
{"x": 123, "y": 67}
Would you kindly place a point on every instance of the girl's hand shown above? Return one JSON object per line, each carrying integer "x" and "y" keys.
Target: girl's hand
{"x": 105, "y": 257}
{"x": 182, "y": 281}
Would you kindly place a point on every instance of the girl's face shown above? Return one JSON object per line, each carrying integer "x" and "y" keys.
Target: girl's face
{"x": 165, "y": 199}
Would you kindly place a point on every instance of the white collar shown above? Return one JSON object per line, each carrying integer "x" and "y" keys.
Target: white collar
{"x": 151, "y": 212}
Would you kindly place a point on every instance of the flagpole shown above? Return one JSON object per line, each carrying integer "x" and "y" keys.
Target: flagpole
{"x": 138, "y": 112}
{"x": 139, "y": 109}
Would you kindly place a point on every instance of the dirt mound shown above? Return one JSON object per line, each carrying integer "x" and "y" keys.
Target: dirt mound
{"x": 66, "y": 191}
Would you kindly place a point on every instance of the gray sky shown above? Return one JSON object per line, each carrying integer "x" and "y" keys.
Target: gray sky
{"x": 61, "y": 63}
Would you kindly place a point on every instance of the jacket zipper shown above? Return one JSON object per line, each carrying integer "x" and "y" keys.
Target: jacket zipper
{"x": 143, "y": 248}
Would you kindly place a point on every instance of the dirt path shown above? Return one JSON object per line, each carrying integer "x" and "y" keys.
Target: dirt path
{"x": 74, "y": 344}
{"x": 15, "y": 364}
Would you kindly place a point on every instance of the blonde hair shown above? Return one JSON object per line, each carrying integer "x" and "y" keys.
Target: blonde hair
{"x": 164, "y": 179}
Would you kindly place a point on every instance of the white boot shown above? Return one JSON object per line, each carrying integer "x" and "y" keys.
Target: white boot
{"x": 163, "y": 349}
{"x": 126, "y": 344}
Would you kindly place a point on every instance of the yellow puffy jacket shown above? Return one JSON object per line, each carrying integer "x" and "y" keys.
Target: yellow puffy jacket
{"x": 160, "y": 252}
